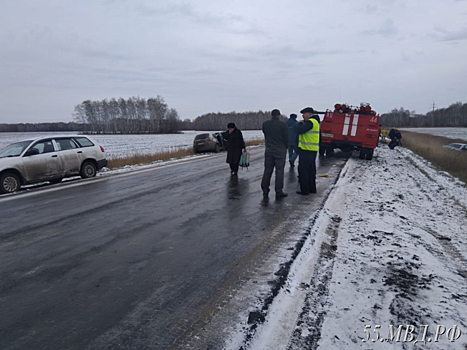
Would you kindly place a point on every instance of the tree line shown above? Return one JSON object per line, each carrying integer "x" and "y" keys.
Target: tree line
{"x": 243, "y": 121}
{"x": 153, "y": 115}
{"x": 453, "y": 116}
{"x": 132, "y": 115}
{"x": 40, "y": 127}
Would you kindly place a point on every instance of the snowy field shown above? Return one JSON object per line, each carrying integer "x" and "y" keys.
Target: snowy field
{"x": 127, "y": 145}
{"x": 388, "y": 249}
{"x": 451, "y": 133}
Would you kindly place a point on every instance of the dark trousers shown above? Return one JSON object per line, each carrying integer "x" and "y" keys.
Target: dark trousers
{"x": 271, "y": 162}
{"x": 307, "y": 170}
{"x": 292, "y": 153}
{"x": 234, "y": 167}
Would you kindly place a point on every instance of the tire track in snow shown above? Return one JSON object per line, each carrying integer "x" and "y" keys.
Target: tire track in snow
{"x": 312, "y": 316}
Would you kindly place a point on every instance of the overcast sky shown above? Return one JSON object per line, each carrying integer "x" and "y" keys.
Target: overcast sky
{"x": 208, "y": 56}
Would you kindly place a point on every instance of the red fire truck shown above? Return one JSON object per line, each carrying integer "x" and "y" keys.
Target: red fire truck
{"x": 351, "y": 128}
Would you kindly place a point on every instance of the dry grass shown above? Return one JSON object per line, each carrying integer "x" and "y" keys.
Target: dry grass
{"x": 431, "y": 148}
{"x": 150, "y": 158}
{"x": 254, "y": 142}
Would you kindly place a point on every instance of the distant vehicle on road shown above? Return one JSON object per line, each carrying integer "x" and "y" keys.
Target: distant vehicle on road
{"x": 49, "y": 159}
{"x": 456, "y": 146}
{"x": 209, "y": 143}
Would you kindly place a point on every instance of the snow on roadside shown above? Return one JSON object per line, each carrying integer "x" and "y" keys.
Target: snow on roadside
{"x": 394, "y": 252}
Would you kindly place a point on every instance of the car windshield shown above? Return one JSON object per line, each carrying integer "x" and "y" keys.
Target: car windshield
{"x": 202, "y": 136}
{"x": 15, "y": 149}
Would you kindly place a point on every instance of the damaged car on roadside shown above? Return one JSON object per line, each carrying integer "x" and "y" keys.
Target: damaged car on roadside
{"x": 49, "y": 159}
{"x": 209, "y": 143}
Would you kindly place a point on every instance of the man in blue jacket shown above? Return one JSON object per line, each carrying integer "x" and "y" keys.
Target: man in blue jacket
{"x": 293, "y": 146}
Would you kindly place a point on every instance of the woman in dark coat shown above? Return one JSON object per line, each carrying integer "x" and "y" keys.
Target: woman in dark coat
{"x": 235, "y": 145}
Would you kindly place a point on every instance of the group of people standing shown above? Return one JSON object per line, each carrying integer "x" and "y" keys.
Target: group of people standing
{"x": 299, "y": 138}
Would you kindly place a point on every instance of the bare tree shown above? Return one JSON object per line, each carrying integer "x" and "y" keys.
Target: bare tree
{"x": 134, "y": 115}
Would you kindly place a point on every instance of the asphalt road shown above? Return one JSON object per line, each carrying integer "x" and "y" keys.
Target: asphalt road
{"x": 131, "y": 261}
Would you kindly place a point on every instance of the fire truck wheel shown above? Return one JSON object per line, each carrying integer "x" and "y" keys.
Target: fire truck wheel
{"x": 361, "y": 154}
{"x": 369, "y": 155}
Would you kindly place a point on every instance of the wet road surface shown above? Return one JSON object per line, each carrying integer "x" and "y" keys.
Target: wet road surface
{"x": 131, "y": 261}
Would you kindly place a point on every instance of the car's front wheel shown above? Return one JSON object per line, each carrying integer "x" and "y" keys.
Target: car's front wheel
{"x": 9, "y": 183}
{"x": 88, "y": 169}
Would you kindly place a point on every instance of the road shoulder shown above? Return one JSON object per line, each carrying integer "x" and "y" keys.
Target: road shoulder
{"x": 395, "y": 256}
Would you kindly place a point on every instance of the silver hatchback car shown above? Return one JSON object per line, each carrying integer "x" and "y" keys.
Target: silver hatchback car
{"x": 49, "y": 159}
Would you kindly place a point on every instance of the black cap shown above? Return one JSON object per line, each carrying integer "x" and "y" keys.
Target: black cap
{"x": 275, "y": 112}
{"x": 230, "y": 126}
{"x": 293, "y": 116}
{"x": 307, "y": 110}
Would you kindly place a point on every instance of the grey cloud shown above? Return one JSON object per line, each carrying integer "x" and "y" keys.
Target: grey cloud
{"x": 173, "y": 9}
{"x": 108, "y": 55}
{"x": 234, "y": 23}
{"x": 290, "y": 51}
{"x": 371, "y": 9}
{"x": 204, "y": 55}
{"x": 150, "y": 75}
{"x": 387, "y": 29}
{"x": 453, "y": 36}
{"x": 376, "y": 6}
{"x": 259, "y": 53}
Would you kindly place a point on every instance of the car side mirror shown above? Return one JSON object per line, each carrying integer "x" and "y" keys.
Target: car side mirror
{"x": 31, "y": 152}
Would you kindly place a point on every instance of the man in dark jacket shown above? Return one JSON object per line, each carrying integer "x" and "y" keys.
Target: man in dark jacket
{"x": 293, "y": 145}
{"x": 398, "y": 137}
{"x": 235, "y": 145}
{"x": 395, "y": 136}
{"x": 276, "y": 134}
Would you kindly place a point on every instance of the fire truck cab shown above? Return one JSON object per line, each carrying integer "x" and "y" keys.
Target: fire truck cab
{"x": 349, "y": 128}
